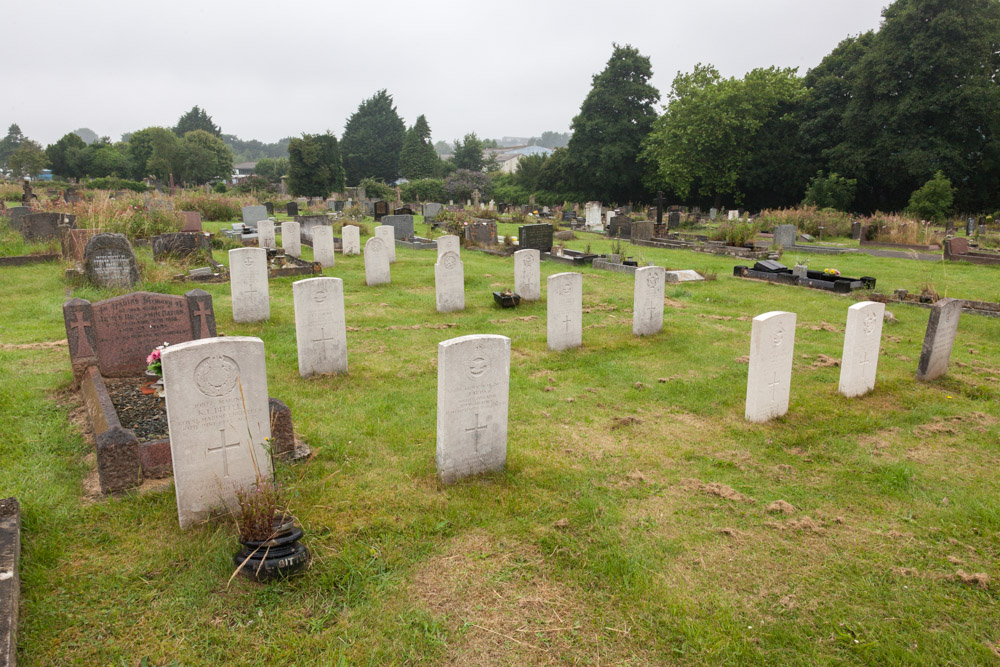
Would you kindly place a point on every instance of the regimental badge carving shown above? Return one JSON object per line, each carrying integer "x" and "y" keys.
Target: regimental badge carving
{"x": 449, "y": 260}
{"x": 248, "y": 261}
{"x": 320, "y": 295}
{"x": 652, "y": 279}
{"x": 216, "y": 375}
{"x": 478, "y": 363}
{"x": 778, "y": 337}
{"x": 869, "y": 323}
{"x": 566, "y": 288}
{"x": 376, "y": 245}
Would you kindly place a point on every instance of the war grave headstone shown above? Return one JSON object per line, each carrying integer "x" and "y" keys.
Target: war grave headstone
{"x": 291, "y": 242}
{"x": 248, "y": 284}
{"x": 380, "y": 210}
{"x": 109, "y": 261}
{"x": 537, "y": 237}
{"x": 593, "y": 218}
{"x": 320, "y": 326}
{"x": 180, "y": 244}
{"x": 292, "y": 208}
{"x": 482, "y": 232}
{"x": 647, "y": 300}
{"x": 527, "y": 274}
{"x": 402, "y": 225}
{"x": 376, "y": 262}
{"x": 388, "y": 236}
{"x": 192, "y": 221}
{"x": 472, "y": 401}
{"x": 254, "y": 214}
{"x": 449, "y": 283}
{"x": 448, "y": 243}
{"x": 219, "y": 423}
{"x": 772, "y": 343}
{"x": 784, "y": 235}
{"x": 265, "y": 234}
{"x": 351, "y": 239}
{"x": 863, "y": 337}
{"x": 565, "y": 311}
{"x": 939, "y": 339}
{"x": 323, "y": 248}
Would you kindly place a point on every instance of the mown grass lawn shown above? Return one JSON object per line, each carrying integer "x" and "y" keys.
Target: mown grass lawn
{"x": 638, "y": 521}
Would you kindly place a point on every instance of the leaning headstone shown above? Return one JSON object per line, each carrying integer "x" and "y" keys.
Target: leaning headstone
{"x": 862, "y": 340}
{"x": 772, "y": 343}
{"x": 265, "y": 234}
{"x": 351, "y": 240}
{"x": 320, "y": 328}
{"x": 448, "y": 243}
{"x": 323, "y": 249}
{"x": 109, "y": 261}
{"x": 565, "y": 311}
{"x": 376, "y": 262}
{"x": 538, "y": 237}
{"x": 472, "y": 399}
{"x": 527, "y": 274}
{"x": 292, "y": 208}
{"x": 192, "y": 221}
{"x": 388, "y": 236}
{"x": 248, "y": 284}
{"x": 218, "y": 419}
{"x": 291, "y": 242}
{"x": 647, "y": 300}
{"x": 784, "y": 235}
{"x": 254, "y": 214}
{"x": 939, "y": 339}
{"x": 402, "y": 226}
{"x": 449, "y": 283}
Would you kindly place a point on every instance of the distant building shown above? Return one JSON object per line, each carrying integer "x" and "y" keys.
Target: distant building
{"x": 509, "y": 158}
{"x": 242, "y": 170}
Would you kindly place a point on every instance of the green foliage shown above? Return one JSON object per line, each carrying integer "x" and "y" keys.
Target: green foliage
{"x": 551, "y": 139}
{"x": 205, "y": 157}
{"x": 468, "y": 153}
{"x": 378, "y": 190}
{"x": 423, "y": 189}
{"x": 87, "y": 135}
{"x": 66, "y": 156}
{"x": 252, "y": 150}
{"x": 254, "y": 183}
{"x": 28, "y": 159}
{"x": 196, "y": 119}
{"x": 220, "y": 188}
{"x": 102, "y": 159}
{"x": 933, "y": 200}
{"x": 111, "y": 183}
{"x": 507, "y": 188}
{"x": 529, "y": 171}
{"x": 833, "y": 191}
{"x": 315, "y": 168}
{"x": 373, "y": 140}
{"x": 271, "y": 168}
{"x": 460, "y": 184}
{"x": 10, "y": 143}
{"x": 737, "y": 232}
{"x": 808, "y": 220}
{"x": 213, "y": 208}
{"x": 616, "y": 115}
{"x": 418, "y": 159}
{"x": 153, "y": 151}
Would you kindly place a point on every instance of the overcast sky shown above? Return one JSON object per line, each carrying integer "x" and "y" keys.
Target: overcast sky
{"x": 266, "y": 70}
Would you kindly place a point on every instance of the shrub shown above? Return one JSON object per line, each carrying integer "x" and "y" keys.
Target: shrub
{"x": 424, "y": 189}
{"x": 220, "y": 188}
{"x": 833, "y": 191}
{"x": 736, "y": 232}
{"x": 377, "y": 189}
{"x": 125, "y": 215}
{"x": 460, "y": 184}
{"x": 214, "y": 207}
{"x": 808, "y": 220}
{"x": 933, "y": 200}
{"x": 112, "y": 183}
{"x": 254, "y": 183}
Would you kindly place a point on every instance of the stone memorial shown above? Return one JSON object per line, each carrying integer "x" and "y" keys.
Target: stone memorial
{"x": 642, "y": 230}
{"x": 684, "y": 276}
{"x": 320, "y": 327}
{"x": 565, "y": 311}
{"x": 269, "y": 205}
{"x": 620, "y": 226}
{"x": 181, "y": 244}
{"x": 537, "y": 237}
{"x": 772, "y": 343}
{"x": 265, "y": 234}
{"x": 593, "y": 215}
{"x": 192, "y": 221}
{"x": 323, "y": 248}
{"x": 863, "y": 337}
{"x": 376, "y": 262}
{"x": 647, "y": 300}
{"x": 291, "y": 240}
{"x": 527, "y": 274}
{"x": 448, "y": 243}
{"x": 388, "y": 236}
{"x": 307, "y": 223}
{"x": 219, "y": 421}
{"x": 472, "y": 399}
{"x": 939, "y": 339}
{"x": 380, "y": 210}
{"x": 482, "y": 232}
{"x": 351, "y": 235}
{"x": 292, "y": 208}
{"x": 449, "y": 283}
{"x": 430, "y": 210}
{"x": 254, "y": 214}
{"x": 42, "y": 226}
{"x": 248, "y": 285}
{"x": 784, "y": 235}
{"x": 108, "y": 261}
{"x": 734, "y": 215}
{"x": 402, "y": 226}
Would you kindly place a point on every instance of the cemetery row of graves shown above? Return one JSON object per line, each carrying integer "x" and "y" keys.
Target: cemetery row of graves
{"x": 559, "y": 437}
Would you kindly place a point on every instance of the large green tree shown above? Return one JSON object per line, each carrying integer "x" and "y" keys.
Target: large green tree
{"x": 196, "y": 119}
{"x": 103, "y": 158}
{"x": 614, "y": 118}
{"x": 154, "y": 151}
{"x": 315, "y": 168}
{"x": 10, "y": 143}
{"x": 204, "y": 157}
{"x": 373, "y": 140}
{"x": 67, "y": 156}
{"x": 28, "y": 159}
{"x": 469, "y": 153}
{"x": 418, "y": 159}
{"x": 271, "y": 168}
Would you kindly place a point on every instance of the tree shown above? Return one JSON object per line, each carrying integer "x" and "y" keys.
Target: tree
{"x": 87, "y": 135}
{"x": 154, "y": 151}
{"x": 443, "y": 148}
{"x": 196, "y": 119}
{"x": 418, "y": 159}
{"x": 251, "y": 149}
{"x": 933, "y": 200}
{"x": 529, "y": 168}
{"x": 551, "y": 139}
{"x": 833, "y": 191}
{"x": 315, "y": 168}
{"x": 271, "y": 168}
{"x": 10, "y": 143}
{"x": 469, "y": 153}
{"x": 28, "y": 159}
{"x": 460, "y": 184}
{"x": 66, "y": 156}
{"x": 373, "y": 140}
{"x": 102, "y": 158}
{"x": 701, "y": 145}
{"x": 204, "y": 157}
{"x": 607, "y": 133}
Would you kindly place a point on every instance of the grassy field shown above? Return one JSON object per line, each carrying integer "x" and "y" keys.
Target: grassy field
{"x": 640, "y": 519}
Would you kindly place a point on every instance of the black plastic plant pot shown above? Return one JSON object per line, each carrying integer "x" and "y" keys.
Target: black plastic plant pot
{"x": 507, "y": 300}
{"x": 276, "y": 558}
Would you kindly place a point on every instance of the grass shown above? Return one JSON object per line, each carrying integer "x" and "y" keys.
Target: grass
{"x": 632, "y": 522}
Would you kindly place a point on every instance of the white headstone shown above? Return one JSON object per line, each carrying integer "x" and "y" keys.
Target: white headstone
{"x": 388, "y": 235}
{"x": 248, "y": 284}
{"x": 683, "y": 276}
{"x": 291, "y": 239}
{"x": 565, "y": 311}
{"x": 647, "y": 300}
{"x": 265, "y": 234}
{"x": 218, "y": 419}
{"x": 734, "y": 215}
{"x": 473, "y": 392}
{"x": 593, "y": 215}
{"x": 449, "y": 283}
{"x": 448, "y": 243}
{"x": 939, "y": 339}
{"x": 320, "y": 328}
{"x": 351, "y": 240}
{"x": 376, "y": 262}
{"x": 772, "y": 343}
{"x": 323, "y": 250}
{"x": 862, "y": 340}
{"x": 527, "y": 274}
{"x": 254, "y": 214}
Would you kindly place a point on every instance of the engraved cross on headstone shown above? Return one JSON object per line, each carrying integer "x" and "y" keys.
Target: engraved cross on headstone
{"x": 652, "y": 312}
{"x": 323, "y": 340}
{"x": 864, "y": 361}
{"x": 774, "y": 386}
{"x": 223, "y": 446}
{"x": 475, "y": 432}
{"x": 83, "y": 348}
{"x": 202, "y": 313}
{"x": 567, "y": 321}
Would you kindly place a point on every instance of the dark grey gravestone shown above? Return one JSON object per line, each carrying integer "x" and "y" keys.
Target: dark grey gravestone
{"x": 43, "y": 226}
{"x": 482, "y": 232}
{"x": 181, "y": 244}
{"x": 381, "y": 209}
{"x": 674, "y": 219}
{"x": 535, "y": 237}
{"x": 402, "y": 226}
{"x": 784, "y": 235}
{"x": 308, "y": 223}
{"x": 108, "y": 261}
{"x": 642, "y": 230}
{"x": 10, "y": 578}
{"x": 620, "y": 227}
{"x": 15, "y": 213}
{"x": 856, "y": 230}
{"x": 269, "y": 205}
{"x": 118, "y": 460}
{"x": 403, "y": 210}
{"x": 338, "y": 206}
{"x": 292, "y": 208}
{"x": 939, "y": 339}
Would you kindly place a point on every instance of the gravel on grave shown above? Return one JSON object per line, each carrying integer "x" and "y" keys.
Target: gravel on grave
{"x": 141, "y": 413}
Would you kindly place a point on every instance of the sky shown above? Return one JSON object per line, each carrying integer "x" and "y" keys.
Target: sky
{"x": 267, "y": 70}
